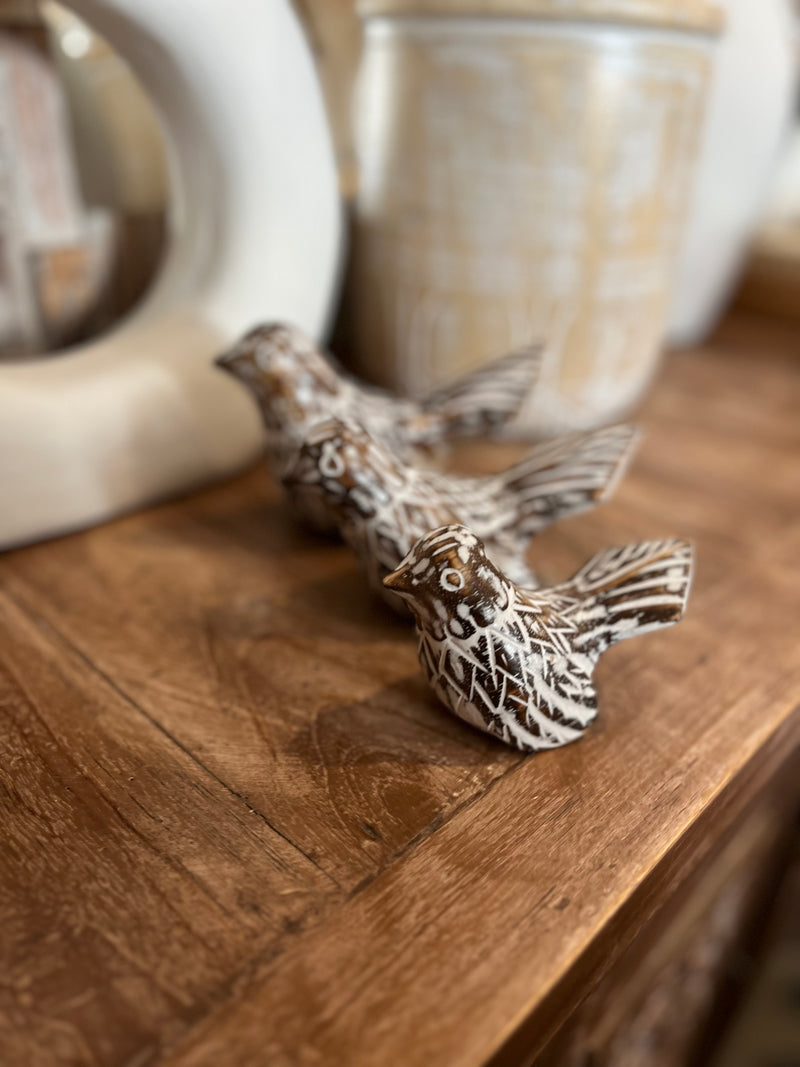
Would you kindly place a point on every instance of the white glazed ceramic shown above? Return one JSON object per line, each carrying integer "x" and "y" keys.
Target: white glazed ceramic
{"x": 751, "y": 101}
{"x": 142, "y": 413}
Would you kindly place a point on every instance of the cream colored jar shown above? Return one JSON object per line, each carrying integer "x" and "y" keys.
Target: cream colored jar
{"x": 525, "y": 166}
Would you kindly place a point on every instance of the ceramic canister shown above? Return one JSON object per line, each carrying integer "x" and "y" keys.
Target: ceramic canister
{"x": 524, "y": 175}
{"x": 751, "y": 106}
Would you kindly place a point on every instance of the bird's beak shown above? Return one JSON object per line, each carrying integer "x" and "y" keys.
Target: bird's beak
{"x": 239, "y": 359}
{"x": 227, "y": 361}
{"x": 399, "y": 581}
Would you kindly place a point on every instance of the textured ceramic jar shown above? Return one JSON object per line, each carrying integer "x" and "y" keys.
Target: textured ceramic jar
{"x": 751, "y": 105}
{"x": 525, "y": 167}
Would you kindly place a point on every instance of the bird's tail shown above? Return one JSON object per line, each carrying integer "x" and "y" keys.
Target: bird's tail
{"x": 561, "y": 478}
{"x": 628, "y": 591}
{"x": 488, "y": 397}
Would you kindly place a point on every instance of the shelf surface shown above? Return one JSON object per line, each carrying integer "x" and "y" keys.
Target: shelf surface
{"x": 237, "y": 829}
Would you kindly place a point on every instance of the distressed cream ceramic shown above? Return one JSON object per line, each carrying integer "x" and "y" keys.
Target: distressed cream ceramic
{"x": 751, "y": 105}
{"x": 677, "y": 14}
{"x": 521, "y": 178}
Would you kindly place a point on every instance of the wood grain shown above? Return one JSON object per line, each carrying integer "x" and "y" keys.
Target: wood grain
{"x": 662, "y": 1003}
{"x": 262, "y": 657}
{"x": 238, "y": 831}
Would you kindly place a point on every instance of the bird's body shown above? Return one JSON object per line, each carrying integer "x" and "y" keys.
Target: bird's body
{"x": 297, "y": 386}
{"x": 518, "y": 663}
{"x": 382, "y": 505}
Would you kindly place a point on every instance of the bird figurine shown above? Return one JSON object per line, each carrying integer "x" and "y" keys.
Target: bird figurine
{"x": 518, "y": 663}
{"x": 297, "y": 386}
{"x": 382, "y": 504}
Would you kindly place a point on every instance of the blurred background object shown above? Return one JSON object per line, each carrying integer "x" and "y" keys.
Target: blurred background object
{"x": 516, "y": 170}
{"x": 85, "y": 181}
{"x": 80, "y": 248}
{"x": 120, "y": 154}
{"x": 525, "y": 168}
{"x": 54, "y": 252}
{"x": 751, "y": 104}
{"x": 253, "y": 231}
{"x": 771, "y": 282}
{"x": 118, "y": 144}
{"x": 334, "y": 33}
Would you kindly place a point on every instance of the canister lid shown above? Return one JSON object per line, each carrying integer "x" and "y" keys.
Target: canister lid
{"x": 697, "y": 15}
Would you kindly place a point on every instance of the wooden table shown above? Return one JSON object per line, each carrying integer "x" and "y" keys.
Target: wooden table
{"x": 237, "y": 830}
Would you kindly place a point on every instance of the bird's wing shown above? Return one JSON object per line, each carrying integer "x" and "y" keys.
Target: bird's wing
{"x": 397, "y": 421}
{"x": 463, "y": 496}
{"x": 562, "y": 701}
{"x": 557, "y": 479}
{"x": 489, "y": 397}
{"x": 433, "y": 498}
{"x": 625, "y": 591}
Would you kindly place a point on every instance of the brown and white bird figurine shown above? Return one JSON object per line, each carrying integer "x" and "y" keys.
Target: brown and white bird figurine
{"x": 382, "y": 504}
{"x": 518, "y": 663}
{"x": 297, "y": 386}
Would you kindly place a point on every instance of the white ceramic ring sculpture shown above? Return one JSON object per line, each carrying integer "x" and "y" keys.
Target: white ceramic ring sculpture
{"x": 255, "y": 234}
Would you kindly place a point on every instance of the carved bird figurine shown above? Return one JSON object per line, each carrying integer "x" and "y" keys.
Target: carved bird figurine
{"x": 518, "y": 663}
{"x": 381, "y": 504}
{"x": 297, "y": 386}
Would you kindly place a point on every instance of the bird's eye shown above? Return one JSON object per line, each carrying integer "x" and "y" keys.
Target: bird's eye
{"x": 331, "y": 463}
{"x": 451, "y": 579}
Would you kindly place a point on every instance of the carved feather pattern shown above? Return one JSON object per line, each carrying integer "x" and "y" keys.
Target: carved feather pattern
{"x": 298, "y": 386}
{"x": 489, "y": 397}
{"x": 382, "y": 505}
{"x": 518, "y": 663}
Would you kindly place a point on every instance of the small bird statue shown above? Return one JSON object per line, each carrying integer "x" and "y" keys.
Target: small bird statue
{"x": 297, "y": 386}
{"x": 518, "y": 663}
{"x": 382, "y": 504}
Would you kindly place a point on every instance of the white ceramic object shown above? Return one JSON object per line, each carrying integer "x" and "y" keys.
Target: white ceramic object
{"x": 142, "y": 413}
{"x": 751, "y": 102}
{"x": 783, "y": 208}
{"x": 525, "y": 170}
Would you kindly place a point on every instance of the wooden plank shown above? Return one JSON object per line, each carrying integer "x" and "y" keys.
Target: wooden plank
{"x": 240, "y": 829}
{"x": 670, "y": 989}
{"x": 134, "y": 884}
{"x": 259, "y": 651}
{"x": 449, "y": 953}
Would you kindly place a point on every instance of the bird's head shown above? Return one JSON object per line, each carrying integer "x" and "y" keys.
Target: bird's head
{"x": 449, "y": 582}
{"x": 354, "y": 472}
{"x": 291, "y": 379}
